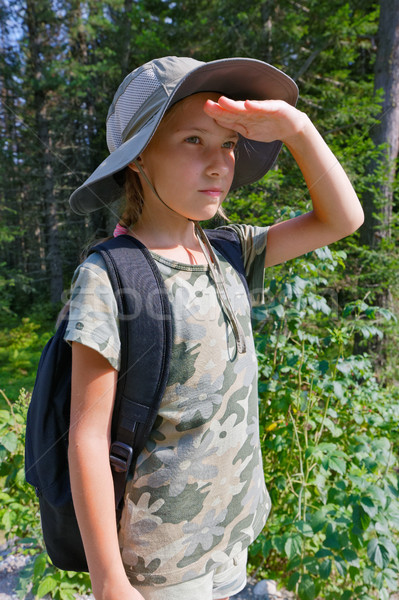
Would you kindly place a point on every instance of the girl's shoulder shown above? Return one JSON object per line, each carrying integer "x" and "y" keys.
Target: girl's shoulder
{"x": 93, "y": 267}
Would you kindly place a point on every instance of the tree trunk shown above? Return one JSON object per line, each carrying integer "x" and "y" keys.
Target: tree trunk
{"x": 377, "y": 202}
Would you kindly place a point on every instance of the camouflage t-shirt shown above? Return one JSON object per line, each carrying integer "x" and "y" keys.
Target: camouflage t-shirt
{"x": 198, "y": 495}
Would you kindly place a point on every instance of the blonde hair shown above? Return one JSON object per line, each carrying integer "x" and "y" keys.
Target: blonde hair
{"x": 132, "y": 203}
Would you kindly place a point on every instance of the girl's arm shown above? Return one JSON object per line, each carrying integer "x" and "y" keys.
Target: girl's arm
{"x": 92, "y": 400}
{"x": 336, "y": 209}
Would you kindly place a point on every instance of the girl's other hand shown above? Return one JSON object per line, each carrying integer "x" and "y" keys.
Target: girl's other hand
{"x": 260, "y": 120}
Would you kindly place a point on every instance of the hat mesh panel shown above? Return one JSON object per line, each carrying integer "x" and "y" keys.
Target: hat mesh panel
{"x": 129, "y": 102}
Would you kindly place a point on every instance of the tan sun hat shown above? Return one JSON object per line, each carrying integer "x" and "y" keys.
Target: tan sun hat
{"x": 147, "y": 92}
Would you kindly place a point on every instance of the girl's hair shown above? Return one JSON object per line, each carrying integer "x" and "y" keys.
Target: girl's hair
{"x": 132, "y": 205}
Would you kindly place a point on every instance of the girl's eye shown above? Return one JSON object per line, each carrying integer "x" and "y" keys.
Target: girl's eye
{"x": 194, "y": 139}
{"x": 230, "y": 145}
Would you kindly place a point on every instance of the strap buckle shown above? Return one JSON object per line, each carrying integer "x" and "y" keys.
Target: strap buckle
{"x": 120, "y": 457}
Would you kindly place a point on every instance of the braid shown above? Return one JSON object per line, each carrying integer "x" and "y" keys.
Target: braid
{"x": 133, "y": 202}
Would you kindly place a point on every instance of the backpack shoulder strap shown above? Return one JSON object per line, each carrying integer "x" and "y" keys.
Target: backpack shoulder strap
{"x": 146, "y": 343}
{"x": 227, "y": 242}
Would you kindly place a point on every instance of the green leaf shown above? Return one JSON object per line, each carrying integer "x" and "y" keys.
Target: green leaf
{"x": 10, "y": 442}
{"x": 266, "y": 547}
{"x": 378, "y": 494}
{"x": 46, "y": 586}
{"x": 318, "y": 520}
{"x": 277, "y": 310}
{"x": 351, "y": 557}
{"x": 331, "y": 539}
{"x": 324, "y": 365}
{"x": 325, "y": 568}
{"x": 340, "y": 565}
{"x": 6, "y": 521}
{"x": 66, "y": 595}
{"x": 304, "y": 528}
{"x": 361, "y": 519}
{"x": 40, "y": 565}
{"x": 278, "y": 543}
{"x": 293, "y": 546}
{"x": 377, "y": 553}
{"x": 326, "y": 447}
{"x": 338, "y": 390}
{"x": 306, "y": 589}
{"x": 368, "y": 506}
{"x": 293, "y": 580}
{"x": 335, "y": 463}
{"x": 389, "y": 546}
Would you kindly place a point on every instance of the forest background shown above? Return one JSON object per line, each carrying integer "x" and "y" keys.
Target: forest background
{"x": 327, "y": 336}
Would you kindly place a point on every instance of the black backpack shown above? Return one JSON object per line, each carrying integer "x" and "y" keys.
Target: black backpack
{"x": 146, "y": 344}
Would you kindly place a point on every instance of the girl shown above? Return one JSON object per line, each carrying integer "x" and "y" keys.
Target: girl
{"x": 182, "y": 134}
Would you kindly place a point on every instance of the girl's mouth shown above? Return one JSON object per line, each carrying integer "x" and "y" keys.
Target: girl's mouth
{"x": 214, "y": 192}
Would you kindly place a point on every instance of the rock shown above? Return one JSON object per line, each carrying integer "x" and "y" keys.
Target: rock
{"x": 266, "y": 590}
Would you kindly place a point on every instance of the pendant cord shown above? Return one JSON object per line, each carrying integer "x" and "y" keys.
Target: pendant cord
{"x": 217, "y": 276}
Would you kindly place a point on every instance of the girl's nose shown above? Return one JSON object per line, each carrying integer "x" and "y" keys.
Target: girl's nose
{"x": 220, "y": 164}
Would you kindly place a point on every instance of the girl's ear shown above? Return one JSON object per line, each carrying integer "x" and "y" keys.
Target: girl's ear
{"x": 133, "y": 165}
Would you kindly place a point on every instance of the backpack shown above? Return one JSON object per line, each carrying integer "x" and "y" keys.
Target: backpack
{"x": 146, "y": 344}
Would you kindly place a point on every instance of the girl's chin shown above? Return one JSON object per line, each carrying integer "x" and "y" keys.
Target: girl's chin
{"x": 205, "y": 214}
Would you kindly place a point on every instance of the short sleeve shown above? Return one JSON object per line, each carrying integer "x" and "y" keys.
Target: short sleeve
{"x": 253, "y": 244}
{"x": 93, "y": 312}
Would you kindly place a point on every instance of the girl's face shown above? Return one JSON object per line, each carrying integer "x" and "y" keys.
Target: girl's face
{"x": 190, "y": 161}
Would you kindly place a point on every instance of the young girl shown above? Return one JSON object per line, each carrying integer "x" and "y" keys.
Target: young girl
{"x": 182, "y": 133}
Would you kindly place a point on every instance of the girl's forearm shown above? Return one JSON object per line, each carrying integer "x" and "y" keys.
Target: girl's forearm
{"x": 92, "y": 489}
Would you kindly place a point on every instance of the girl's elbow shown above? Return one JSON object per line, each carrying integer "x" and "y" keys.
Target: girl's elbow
{"x": 357, "y": 221}
{"x": 351, "y": 221}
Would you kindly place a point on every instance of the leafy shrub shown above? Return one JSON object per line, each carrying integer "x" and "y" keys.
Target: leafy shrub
{"x": 19, "y": 511}
{"x": 330, "y": 442}
{"x": 20, "y": 349}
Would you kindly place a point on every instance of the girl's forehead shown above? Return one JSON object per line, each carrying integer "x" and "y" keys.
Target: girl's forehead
{"x": 184, "y": 112}
{"x": 198, "y": 100}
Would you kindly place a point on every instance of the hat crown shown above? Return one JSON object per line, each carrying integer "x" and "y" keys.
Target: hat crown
{"x": 128, "y": 109}
{"x": 128, "y": 100}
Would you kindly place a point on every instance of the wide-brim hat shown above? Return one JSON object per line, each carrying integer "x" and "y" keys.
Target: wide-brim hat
{"x": 146, "y": 94}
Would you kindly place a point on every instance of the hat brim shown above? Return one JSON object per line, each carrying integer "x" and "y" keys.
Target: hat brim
{"x": 238, "y": 78}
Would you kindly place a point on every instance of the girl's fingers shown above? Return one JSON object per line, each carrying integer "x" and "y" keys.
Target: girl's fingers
{"x": 262, "y": 120}
{"x": 228, "y": 106}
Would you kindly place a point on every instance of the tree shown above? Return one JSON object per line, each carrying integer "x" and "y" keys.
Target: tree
{"x": 39, "y": 19}
{"x": 378, "y": 201}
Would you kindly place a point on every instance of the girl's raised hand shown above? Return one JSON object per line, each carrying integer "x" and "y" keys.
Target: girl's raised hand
{"x": 260, "y": 120}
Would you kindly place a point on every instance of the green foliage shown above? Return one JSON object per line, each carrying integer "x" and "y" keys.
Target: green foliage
{"x": 42, "y": 579}
{"x": 20, "y": 349}
{"x": 19, "y": 508}
{"x": 19, "y": 512}
{"x": 330, "y": 440}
